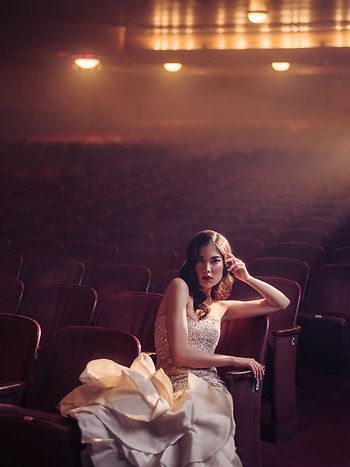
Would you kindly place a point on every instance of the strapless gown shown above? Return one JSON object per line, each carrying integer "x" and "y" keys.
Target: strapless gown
{"x": 147, "y": 417}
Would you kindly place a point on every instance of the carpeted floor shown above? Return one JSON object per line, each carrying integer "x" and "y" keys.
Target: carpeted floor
{"x": 323, "y": 438}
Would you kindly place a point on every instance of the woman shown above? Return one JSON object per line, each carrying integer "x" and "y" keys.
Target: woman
{"x": 181, "y": 414}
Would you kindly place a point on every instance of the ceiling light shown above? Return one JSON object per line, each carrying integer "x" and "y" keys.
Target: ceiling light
{"x": 87, "y": 62}
{"x": 257, "y": 16}
{"x": 280, "y": 66}
{"x": 172, "y": 67}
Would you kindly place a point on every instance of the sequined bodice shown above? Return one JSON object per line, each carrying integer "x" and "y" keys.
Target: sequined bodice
{"x": 202, "y": 335}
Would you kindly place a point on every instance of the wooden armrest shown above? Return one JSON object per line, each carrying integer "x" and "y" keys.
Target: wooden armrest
{"x": 11, "y": 388}
{"x": 237, "y": 375}
{"x": 326, "y": 317}
{"x": 287, "y": 332}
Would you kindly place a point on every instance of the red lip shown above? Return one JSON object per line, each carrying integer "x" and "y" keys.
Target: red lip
{"x": 206, "y": 278}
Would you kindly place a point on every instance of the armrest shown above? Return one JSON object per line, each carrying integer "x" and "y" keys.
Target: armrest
{"x": 324, "y": 316}
{"x": 11, "y": 388}
{"x": 11, "y": 393}
{"x": 287, "y": 332}
{"x": 234, "y": 376}
{"x": 39, "y": 417}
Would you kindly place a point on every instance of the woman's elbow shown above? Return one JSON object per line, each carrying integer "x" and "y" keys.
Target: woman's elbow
{"x": 178, "y": 358}
{"x": 281, "y": 305}
{"x": 285, "y": 303}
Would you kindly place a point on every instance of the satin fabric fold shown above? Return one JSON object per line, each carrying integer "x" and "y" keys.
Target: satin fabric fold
{"x": 131, "y": 416}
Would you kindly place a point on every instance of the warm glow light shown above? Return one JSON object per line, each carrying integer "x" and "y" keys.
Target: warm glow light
{"x": 280, "y": 66}
{"x": 172, "y": 67}
{"x": 87, "y": 63}
{"x": 257, "y": 17}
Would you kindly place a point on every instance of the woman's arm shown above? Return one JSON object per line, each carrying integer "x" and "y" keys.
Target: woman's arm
{"x": 176, "y": 301}
{"x": 273, "y": 299}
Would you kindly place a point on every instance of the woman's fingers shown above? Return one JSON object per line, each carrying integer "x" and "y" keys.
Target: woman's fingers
{"x": 257, "y": 369}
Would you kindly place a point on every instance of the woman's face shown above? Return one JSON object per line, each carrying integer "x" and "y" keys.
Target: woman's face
{"x": 209, "y": 267}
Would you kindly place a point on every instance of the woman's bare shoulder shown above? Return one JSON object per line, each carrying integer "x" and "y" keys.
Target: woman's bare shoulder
{"x": 177, "y": 285}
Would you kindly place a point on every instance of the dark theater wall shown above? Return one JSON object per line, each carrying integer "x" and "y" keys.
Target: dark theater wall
{"x": 219, "y": 111}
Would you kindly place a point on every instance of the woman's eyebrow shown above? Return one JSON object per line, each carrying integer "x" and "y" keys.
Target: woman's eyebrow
{"x": 213, "y": 257}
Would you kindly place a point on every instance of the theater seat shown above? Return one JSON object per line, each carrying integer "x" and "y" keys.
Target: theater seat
{"x": 246, "y": 338}
{"x": 325, "y": 320}
{"x": 19, "y": 340}
{"x": 34, "y": 433}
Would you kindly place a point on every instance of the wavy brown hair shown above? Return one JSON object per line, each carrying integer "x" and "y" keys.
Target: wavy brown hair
{"x": 220, "y": 291}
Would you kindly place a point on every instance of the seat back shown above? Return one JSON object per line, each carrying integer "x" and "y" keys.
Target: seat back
{"x": 93, "y": 254}
{"x": 19, "y": 340}
{"x": 60, "y": 305}
{"x": 133, "y": 312}
{"x": 256, "y": 232}
{"x": 44, "y": 271}
{"x": 288, "y": 268}
{"x": 246, "y": 337}
{"x": 317, "y": 236}
{"x": 33, "y": 249}
{"x": 313, "y": 255}
{"x": 339, "y": 255}
{"x": 155, "y": 259}
{"x": 110, "y": 279}
{"x": 329, "y": 291}
{"x": 162, "y": 282}
{"x": 11, "y": 291}
{"x": 65, "y": 356}
{"x": 246, "y": 248}
{"x": 10, "y": 264}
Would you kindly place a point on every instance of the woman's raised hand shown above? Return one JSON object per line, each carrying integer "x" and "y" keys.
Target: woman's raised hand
{"x": 237, "y": 267}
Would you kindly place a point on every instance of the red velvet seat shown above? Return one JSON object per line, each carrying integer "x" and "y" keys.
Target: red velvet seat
{"x": 60, "y": 305}
{"x": 227, "y": 221}
{"x": 49, "y": 271}
{"x": 10, "y": 264}
{"x": 155, "y": 259}
{"x": 46, "y": 438}
{"x": 275, "y": 223}
{"x": 162, "y": 282}
{"x": 256, "y": 232}
{"x": 246, "y": 338}
{"x": 246, "y": 248}
{"x": 176, "y": 242}
{"x": 19, "y": 340}
{"x": 109, "y": 279}
{"x": 313, "y": 255}
{"x": 133, "y": 312}
{"x": 327, "y": 225}
{"x": 288, "y": 268}
{"x": 92, "y": 254}
{"x": 125, "y": 240}
{"x": 5, "y": 243}
{"x": 319, "y": 237}
{"x": 11, "y": 291}
{"x": 33, "y": 249}
{"x": 325, "y": 319}
{"x": 78, "y": 235}
{"x": 341, "y": 240}
{"x": 279, "y": 384}
{"x": 339, "y": 255}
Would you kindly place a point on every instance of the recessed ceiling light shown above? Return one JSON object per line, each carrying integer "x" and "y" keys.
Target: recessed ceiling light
{"x": 280, "y": 66}
{"x": 172, "y": 67}
{"x": 257, "y": 16}
{"x": 86, "y": 62}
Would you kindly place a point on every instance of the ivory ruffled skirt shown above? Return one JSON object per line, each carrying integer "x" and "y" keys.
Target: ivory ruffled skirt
{"x": 131, "y": 416}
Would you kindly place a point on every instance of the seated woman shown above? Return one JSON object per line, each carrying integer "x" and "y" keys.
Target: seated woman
{"x": 180, "y": 414}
